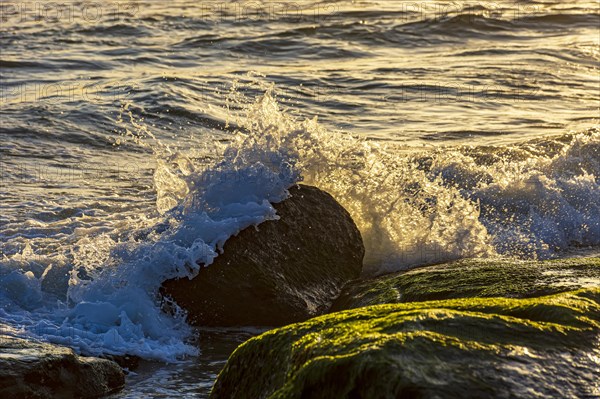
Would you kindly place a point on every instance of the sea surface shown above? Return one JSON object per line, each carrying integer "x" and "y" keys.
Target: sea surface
{"x": 136, "y": 137}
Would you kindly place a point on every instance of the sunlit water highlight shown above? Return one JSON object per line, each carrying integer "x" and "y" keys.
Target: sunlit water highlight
{"x": 134, "y": 143}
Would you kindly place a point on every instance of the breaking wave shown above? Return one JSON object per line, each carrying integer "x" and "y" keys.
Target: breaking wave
{"x": 413, "y": 207}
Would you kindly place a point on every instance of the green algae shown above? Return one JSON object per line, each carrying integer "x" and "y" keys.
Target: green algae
{"x": 473, "y": 278}
{"x": 466, "y": 347}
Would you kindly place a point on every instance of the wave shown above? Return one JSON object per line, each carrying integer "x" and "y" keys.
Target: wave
{"x": 112, "y": 304}
{"x": 531, "y": 200}
{"x": 435, "y": 27}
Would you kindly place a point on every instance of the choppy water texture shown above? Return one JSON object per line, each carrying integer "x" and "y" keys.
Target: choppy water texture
{"x": 136, "y": 137}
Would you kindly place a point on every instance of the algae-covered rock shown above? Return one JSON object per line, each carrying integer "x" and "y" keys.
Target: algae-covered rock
{"x": 282, "y": 271}
{"x": 31, "y": 369}
{"x": 472, "y": 278}
{"x": 459, "y": 348}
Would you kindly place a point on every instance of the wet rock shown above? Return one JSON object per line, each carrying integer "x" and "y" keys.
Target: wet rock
{"x": 31, "y": 369}
{"x": 55, "y": 280}
{"x": 472, "y": 278}
{"x": 456, "y": 348}
{"x": 281, "y": 271}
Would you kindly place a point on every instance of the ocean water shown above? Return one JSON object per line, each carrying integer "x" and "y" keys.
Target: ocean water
{"x": 136, "y": 137}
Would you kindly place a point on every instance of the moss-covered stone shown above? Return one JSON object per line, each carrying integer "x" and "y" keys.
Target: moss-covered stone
{"x": 467, "y": 348}
{"x": 473, "y": 278}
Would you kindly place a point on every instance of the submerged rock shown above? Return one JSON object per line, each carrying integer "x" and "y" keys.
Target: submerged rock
{"x": 31, "y": 369}
{"x": 458, "y": 348}
{"x": 472, "y": 278}
{"x": 281, "y": 271}
{"x": 55, "y": 280}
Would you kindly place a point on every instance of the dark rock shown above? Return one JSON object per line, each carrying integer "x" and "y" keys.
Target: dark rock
{"x": 472, "y": 278}
{"x": 30, "y": 369}
{"x": 129, "y": 362}
{"x": 279, "y": 272}
{"x": 55, "y": 280}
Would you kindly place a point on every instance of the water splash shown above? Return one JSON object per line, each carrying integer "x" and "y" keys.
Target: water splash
{"x": 413, "y": 207}
{"x": 532, "y": 200}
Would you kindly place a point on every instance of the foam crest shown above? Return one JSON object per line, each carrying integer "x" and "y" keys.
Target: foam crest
{"x": 113, "y": 305}
{"x": 413, "y": 207}
{"x": 533, "y": 200}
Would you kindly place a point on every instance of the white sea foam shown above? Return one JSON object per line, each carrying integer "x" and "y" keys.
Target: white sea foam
{"x": 531, "y": 200}
{"x": 113, "y": 302}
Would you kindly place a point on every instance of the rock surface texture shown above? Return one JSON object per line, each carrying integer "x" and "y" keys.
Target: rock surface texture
{"x": 472, "y": 278}
{"x": 30, "y": 369}
{"x": 454, "y": 348}
{"x": 279, "y": 272}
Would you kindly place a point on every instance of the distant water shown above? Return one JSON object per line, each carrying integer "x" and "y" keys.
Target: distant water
{"x": 136, "y": 137}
